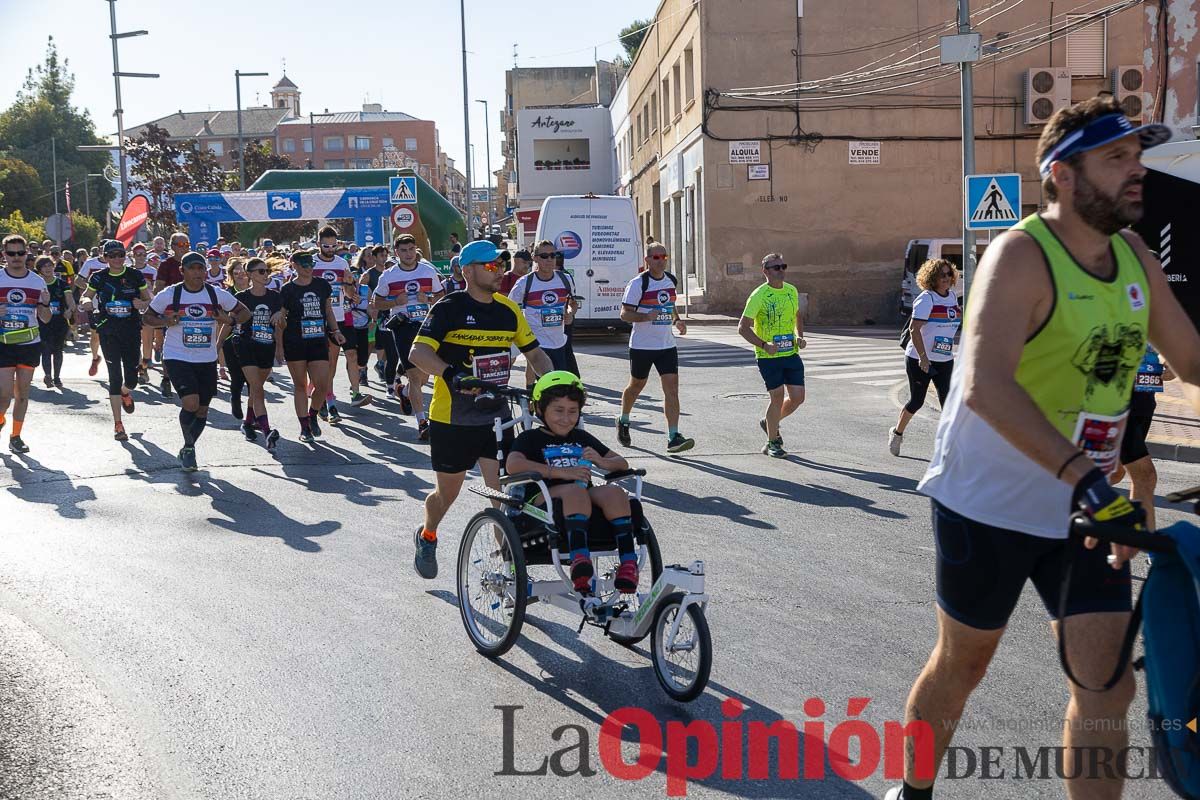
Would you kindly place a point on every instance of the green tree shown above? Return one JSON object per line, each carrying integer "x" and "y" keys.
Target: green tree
{"x": 87, "y": 231}
{"x": 33, "y": 231}
{"x": 259, "y": 158}
{"x": 41, "y": 127}
{"x": 163, "y": 168}
{"x": 21, "y": 189}
{"x": 632, "y": 35}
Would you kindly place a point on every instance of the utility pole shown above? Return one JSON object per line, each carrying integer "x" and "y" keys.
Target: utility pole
{"x": 237, "y": 79}
{"x": 968, "y": 142}
{"x": 491, "y": 208}
{"x": 119, "y": 112}
{"x": 462, "y": 8}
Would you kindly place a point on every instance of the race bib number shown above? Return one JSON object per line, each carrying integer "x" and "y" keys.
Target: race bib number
{"x": 493, "y": 368}
{"x": 55, "y": 308}
{"x": 666, "y": 314}
{"x": 417, "y": 312}
{"x": 312, "y": 328}
{"x": 562, "y": 455}
{"x": 1100, "y": 437}
{"x": 552, "y": 316}
{"x": 943, "y": 345}
{"x": 14, "y": 323}
{"x": 786, "y": 342}
{"x": 197, "y": 336}
{"x": 119, "y": 309}
{"x": 262, "y": 333}
{"x": 1149, "y": 379}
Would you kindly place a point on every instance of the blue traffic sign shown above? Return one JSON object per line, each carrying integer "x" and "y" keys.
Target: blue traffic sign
{"x": 403, "y": 190}
{"x": 993, "y": 201}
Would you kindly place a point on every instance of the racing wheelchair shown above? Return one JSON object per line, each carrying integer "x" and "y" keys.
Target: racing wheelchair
{"x": 500, "y": 545}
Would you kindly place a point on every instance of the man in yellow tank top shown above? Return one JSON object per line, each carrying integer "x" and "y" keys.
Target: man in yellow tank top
{"x": 1056, "y": 325}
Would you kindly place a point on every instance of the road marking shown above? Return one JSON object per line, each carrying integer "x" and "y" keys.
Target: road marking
{"x": 888, "y": 382}
{"x": 869, "y": 374}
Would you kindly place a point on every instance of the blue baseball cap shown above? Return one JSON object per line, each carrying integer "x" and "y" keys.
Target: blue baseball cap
{"x": 1101, "y": 131}
{"x": 478, "y": 252}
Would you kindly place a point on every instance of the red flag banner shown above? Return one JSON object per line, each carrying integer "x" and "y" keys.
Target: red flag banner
{"x": 133, "y": 219}
{"x": 67, "y": 192}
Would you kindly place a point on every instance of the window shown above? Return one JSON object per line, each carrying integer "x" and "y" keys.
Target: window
{"x": 666, "y": 106}
{"x": 307, "y": 145}
{"x": 410, "y": 144}
{"x": 689, "y": 75}
{"x": 360, "y": 163}
{"x": 362, "y": 143}
{"x": 289, "y": 145}
{"x": 216, "y": 148}
{"x": 336, "y": 163}
{"x": 388, "y": 142}
{"x": 678, "y": 93}
{"x": 1086, "y": 47}
{"x": 640, "y": 138}
{"x": 332, "y": 143}
{"x": 654, "y": 111}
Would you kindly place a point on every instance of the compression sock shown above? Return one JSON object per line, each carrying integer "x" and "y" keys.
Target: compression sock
{"x": 624, "y": 419}
{"x": 913, "y": 793}
{"x": 263, "y": 424}
{"x": 623, "y": 530}
{"x": 672, "y": 433}
{"x": 198, "y": 428}
{"x": 186, "y": 420}
{"x": 18, "y": 424}
{"x": 428, "y": 535}
{"x": 305, "y": 427}
{"x": 249, "y": 418}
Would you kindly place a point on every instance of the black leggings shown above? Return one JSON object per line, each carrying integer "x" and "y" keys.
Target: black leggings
{"x": 122, "y": 351}
{"x": 237, "y": 378}
{"x": 391, "y": 354}
{"x": 918, "y": 382}
{"x": 54, "y": 338}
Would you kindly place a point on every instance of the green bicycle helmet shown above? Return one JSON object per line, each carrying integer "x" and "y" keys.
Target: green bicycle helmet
{"x": 559, "y": 377}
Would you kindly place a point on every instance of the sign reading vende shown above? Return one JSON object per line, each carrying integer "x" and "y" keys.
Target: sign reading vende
{"x": 745, "y": 152}
{"x": 864, "y": 153}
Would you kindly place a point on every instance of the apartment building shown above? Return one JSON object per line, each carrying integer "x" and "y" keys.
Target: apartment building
{"x": 725, "y": 164}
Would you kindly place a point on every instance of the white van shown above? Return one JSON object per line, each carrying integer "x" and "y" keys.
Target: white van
{"x": 921, "y": 250}
{"x": 601, "y": 247}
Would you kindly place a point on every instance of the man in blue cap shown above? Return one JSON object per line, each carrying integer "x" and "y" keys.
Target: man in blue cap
{"x": 1056, "y": 327}
{"x": 465, "y": 343}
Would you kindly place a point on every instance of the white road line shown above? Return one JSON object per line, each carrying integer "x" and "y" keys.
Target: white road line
{"x": 888, "y": 382}
{"x": 870, "y": 374}
{"x": 851, "y": 361}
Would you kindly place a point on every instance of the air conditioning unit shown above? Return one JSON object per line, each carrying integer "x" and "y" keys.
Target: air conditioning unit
{"x": 1047, "y": 89}
{"x": 1127, "y": 85}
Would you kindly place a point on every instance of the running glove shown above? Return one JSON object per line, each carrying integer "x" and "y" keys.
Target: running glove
{"x": 1095, "y": 497}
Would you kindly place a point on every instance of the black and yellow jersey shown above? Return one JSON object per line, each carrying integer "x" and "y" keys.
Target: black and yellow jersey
{"x": 477, "y": 338}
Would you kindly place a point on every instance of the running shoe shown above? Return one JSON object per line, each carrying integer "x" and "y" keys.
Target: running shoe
{"x": 95, "y": 367}
{"x": 335, "y": 418}
{"x": 678, "y": 443}
{"x": 405, "y": 403}
{"x": 358, "y": 399}
{"x": 425, "y": 560}
{"x": 127, "y": 403}
{"x": 581, "y": 574}
{"x": 323, "y": 412}
{"x": 362, "y": 375}
{"x": 47, "y": 382}
{"x": 250, "y": 432}
{"x": 895, "y": 439}
{"x": 119, "y": 432}
{"x": 17, "y": 444}
{"x": 626, "y": 580}
{"x": 58, "y": 383}
{"x": 391, "y": 393}
{"x": 307, "y": 437}
{"x": 774, "y": 448}
{"x": 623, "y": 434}
{"x": 143, "y": 374}
{"x": 165, "y": 385}
{"x": 423, "y": 430}
{"x": 272, "y": 440}
{"x": 379, "y": 370}
{"x": 313, "y": 425}
{"x": 187, "y": 459}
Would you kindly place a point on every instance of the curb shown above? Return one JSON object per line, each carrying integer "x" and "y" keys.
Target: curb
{"x": 1186, "y": 453}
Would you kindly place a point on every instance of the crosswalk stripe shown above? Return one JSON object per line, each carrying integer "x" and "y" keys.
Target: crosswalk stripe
{"x": 888, "y": 382}
{"x": 875, "y": 373}
{"x": 851, "y": 361}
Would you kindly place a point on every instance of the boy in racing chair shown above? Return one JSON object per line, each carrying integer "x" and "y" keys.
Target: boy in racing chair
{"x": 562, "y": 453}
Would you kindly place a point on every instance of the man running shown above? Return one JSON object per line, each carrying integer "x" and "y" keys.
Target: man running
{"x": 547, "y": 298}
{"x": 24, "y": 302}
{"x": 407, "y": 288}
{"x": 1057, "y": 325}
{"x": 649, "y": 305}
{"x": 367, "y": 281}
{"x": 772, "y": 323}
{"x": 191, "y": 312}
{"x": 465, "y": 343}
{"x": 170, "y": 272}
{"x": 94, "y": 264}
{"x": 332, "y": 268}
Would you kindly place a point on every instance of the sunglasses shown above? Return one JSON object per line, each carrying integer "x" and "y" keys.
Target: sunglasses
{"x": 328, "y": 246}
{"x": 261, "y": 271}
{"x": 115, "y": 254}
{"x": 780, "y": 267}
{"x": 304, "y": 264}
{"x": 15, "y": 253}
{"x": 946, "y": 275}
{"x": 548, "y": 255}
{"x": 490, "y": 266}
{"x": 659, "y": 257}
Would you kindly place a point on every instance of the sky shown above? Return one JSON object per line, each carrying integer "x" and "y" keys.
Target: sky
{"x": 404, "y": 54}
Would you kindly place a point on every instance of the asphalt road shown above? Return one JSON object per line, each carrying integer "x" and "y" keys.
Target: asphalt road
{"x": 256, "y": 630}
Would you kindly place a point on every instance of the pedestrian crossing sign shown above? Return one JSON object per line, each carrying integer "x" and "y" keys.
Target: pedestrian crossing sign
{"x": 993, "y": 201}
{"x": 403, "y": 190}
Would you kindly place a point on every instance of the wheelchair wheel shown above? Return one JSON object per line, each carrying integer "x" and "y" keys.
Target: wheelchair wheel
{"x": 683, "y": 670}
{"x": 491, "y": 582}
{"x": 607, "y": 566}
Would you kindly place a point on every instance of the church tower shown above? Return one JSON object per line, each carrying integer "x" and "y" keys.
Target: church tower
{"x": 286, "y": 95}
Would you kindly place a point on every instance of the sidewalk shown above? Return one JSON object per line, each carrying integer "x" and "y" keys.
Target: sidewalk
{"x": 1175, "y": 434}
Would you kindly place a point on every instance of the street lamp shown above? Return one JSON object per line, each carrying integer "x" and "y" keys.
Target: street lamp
{"x": 119, "y": 113}
{"x": 491, "y": 208}
{"x": 237, "y": 79}
{"x": 462, "y": 9}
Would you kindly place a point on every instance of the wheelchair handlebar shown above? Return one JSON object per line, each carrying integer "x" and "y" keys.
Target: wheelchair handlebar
{"x": 1121, "y": 534}
{"x": 1184, "y": 495}
{"x": 519, "y": 477}
{"x": 624, "y": 473}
